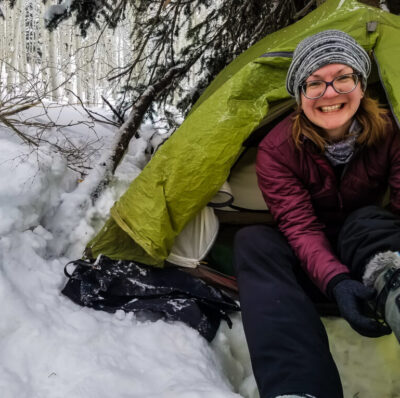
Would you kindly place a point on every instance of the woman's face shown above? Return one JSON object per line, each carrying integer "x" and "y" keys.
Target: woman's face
{"x": 332, "y": 112}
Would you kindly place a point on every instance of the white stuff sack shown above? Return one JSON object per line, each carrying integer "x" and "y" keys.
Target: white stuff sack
{"x": 195, "y": 240}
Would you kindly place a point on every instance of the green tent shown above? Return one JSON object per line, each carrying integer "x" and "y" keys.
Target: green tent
{"x": 188, "y": 170}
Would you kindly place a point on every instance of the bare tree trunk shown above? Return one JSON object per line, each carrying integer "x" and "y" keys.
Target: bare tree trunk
{"x": 3, "y": 54}
{"x": 44, "y": 62}
{"x": 78, "y": 67}
{"x": 17, "y": 39}
{"x": 21, "y": 32}
{"x": 87, "y": 73}
{"x": 67, "y": 60}
{"x": 93, "y": 86}
{"x": 53, "y": 65}
{"x": 11, "y": 49}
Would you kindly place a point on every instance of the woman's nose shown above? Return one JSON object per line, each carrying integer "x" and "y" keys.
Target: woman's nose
{"x": 330, "y": 92}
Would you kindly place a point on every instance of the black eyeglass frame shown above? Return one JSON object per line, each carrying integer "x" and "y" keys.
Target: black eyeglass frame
{"x": 327, "y": 84}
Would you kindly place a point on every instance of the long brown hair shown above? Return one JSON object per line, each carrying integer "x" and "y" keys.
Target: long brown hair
{"x": 370, "y": 115}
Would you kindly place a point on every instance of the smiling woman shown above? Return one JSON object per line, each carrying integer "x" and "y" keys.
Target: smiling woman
{"x": 327, "y": 107}
{"x": 323, "y": 172}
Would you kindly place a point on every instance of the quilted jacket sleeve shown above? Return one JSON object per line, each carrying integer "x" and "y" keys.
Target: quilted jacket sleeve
{"x": 290, "y": 203}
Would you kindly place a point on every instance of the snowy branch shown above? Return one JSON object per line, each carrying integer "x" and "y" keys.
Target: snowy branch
{"x": 130, "y": 128}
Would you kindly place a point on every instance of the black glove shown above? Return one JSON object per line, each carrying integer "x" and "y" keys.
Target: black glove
{"x": 349, "y": 295}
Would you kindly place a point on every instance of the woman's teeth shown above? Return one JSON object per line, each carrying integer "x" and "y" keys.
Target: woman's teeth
{"x": 331, "y": 108}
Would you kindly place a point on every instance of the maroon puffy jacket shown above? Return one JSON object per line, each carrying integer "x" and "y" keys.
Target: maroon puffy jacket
{"x": 308, "y": 201}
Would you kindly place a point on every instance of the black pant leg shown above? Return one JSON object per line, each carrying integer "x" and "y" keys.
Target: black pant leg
{"x": 366, "y": 232}
{"x": 288, "y": 344}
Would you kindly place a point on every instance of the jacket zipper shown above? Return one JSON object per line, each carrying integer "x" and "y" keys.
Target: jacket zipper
{"x": 345, "y": 168}
{"x": 339, "y": 195}
{"x": 338, "y": 181}
{"x": 340, "y": 201}
{"x": 330, "y": 167}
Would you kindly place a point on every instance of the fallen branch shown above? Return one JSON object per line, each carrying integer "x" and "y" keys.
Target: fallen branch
{"x": 130, "y": 127}
{"x": 92, "y": 114}
{"x": 19, "y": 133}
{"x": 114, "y": 111}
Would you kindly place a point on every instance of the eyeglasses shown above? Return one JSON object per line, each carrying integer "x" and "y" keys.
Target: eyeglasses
{"x": 342, "y": 84}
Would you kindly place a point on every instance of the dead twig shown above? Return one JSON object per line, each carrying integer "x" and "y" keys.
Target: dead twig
{"x": 116, "y": 113}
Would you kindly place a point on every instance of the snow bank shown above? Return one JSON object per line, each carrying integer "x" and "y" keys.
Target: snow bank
{"x": 24, "y": 177}
{"x": 49, "y": 346}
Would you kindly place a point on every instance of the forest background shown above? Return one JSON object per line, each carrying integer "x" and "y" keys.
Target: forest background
{"x": 139, "y": 58}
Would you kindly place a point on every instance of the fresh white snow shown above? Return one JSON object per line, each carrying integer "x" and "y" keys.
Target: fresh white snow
{"x": 52, "y": 348}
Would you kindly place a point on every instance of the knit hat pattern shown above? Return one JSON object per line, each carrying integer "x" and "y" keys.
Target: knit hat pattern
{"x": 324, "y": 48}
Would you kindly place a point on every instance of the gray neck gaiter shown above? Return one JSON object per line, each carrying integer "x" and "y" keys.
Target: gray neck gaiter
{"x": 342, "y": 151}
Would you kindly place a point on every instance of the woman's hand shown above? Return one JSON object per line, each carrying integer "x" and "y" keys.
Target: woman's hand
{"x": 349, "y": 295}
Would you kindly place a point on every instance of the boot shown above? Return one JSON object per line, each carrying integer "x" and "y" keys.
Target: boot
{"x": 383, "y": 273}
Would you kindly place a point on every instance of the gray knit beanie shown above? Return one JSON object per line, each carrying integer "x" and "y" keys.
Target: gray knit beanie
{"x": 324, "y": 48}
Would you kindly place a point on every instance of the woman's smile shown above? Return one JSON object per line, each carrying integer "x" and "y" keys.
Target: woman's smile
{"x": 331, "y": 108}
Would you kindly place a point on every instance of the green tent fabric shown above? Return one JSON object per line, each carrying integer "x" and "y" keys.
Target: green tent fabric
{"x": 190, "y": 167}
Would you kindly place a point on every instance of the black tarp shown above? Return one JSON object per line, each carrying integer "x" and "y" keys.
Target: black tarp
{"x": 166, "y": 293}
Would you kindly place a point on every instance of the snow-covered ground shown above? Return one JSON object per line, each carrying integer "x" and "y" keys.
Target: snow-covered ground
{"x": 50, "y": 347}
